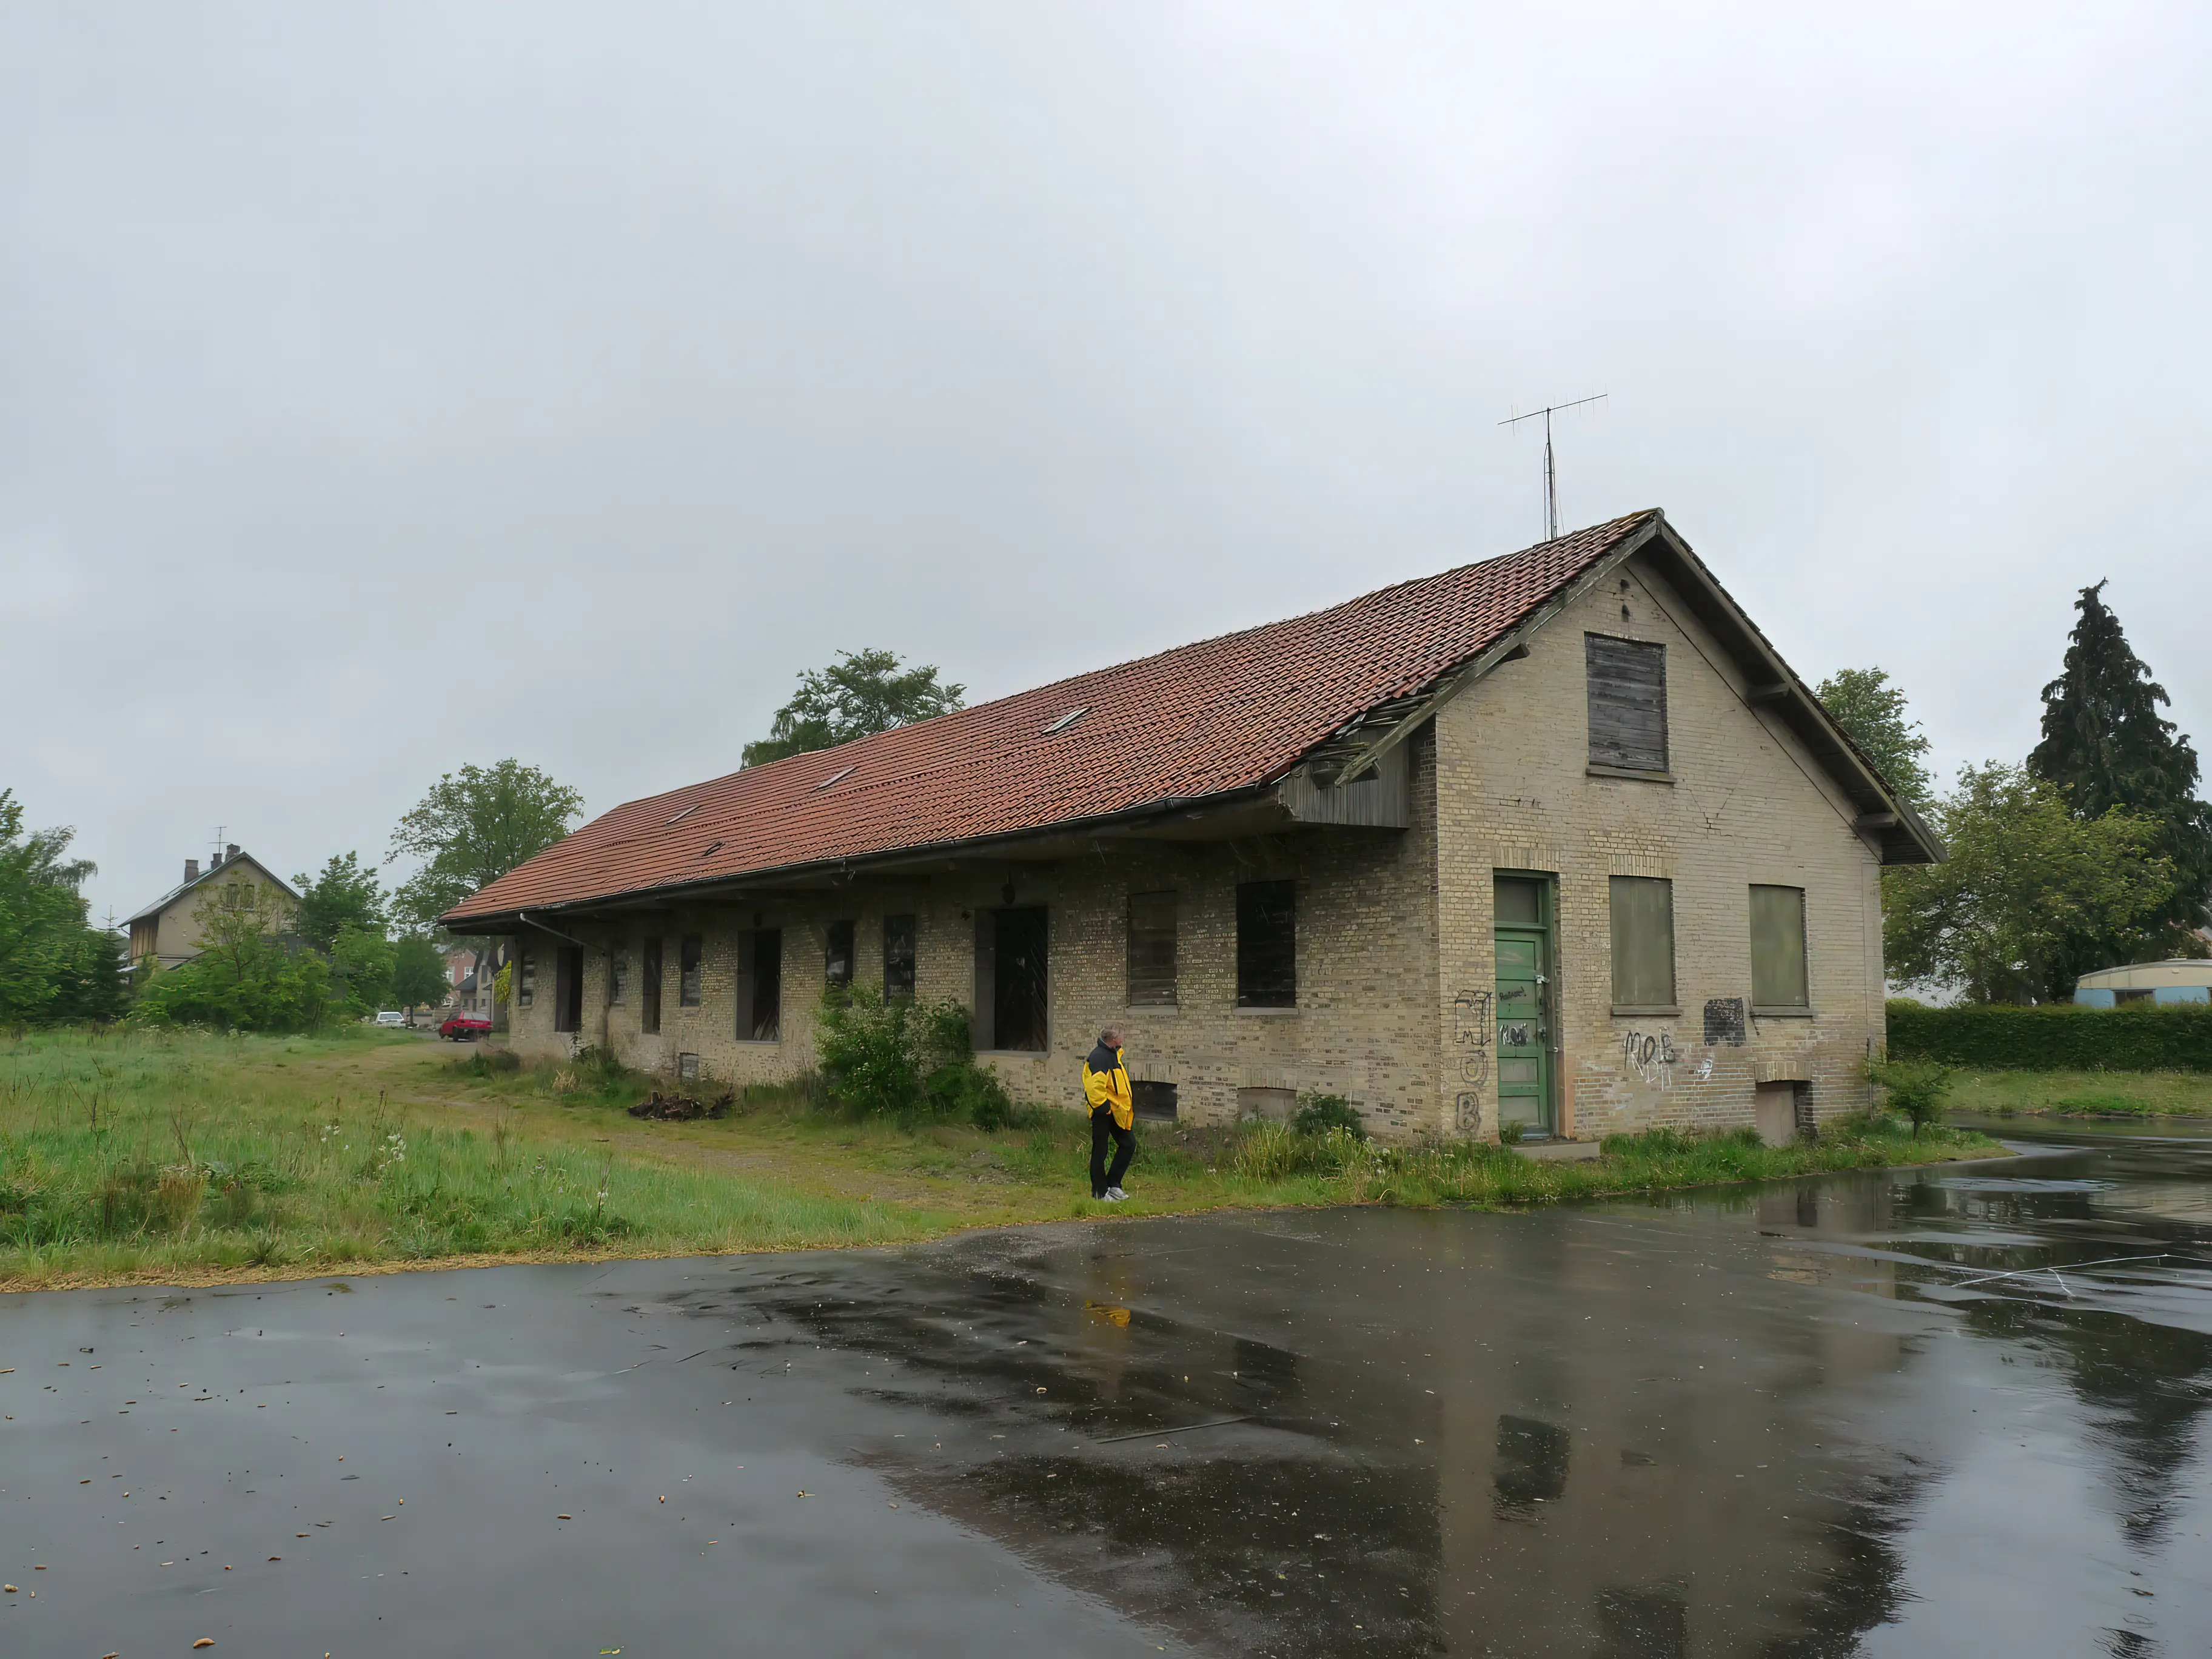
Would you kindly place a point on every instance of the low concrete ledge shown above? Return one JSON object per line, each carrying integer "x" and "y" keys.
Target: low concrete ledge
{"x": 1558, "y": 1152}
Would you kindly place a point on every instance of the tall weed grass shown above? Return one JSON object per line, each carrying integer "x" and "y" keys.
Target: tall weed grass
{"x": 140, "y": 1150}
{"x": 146, "y": 1154}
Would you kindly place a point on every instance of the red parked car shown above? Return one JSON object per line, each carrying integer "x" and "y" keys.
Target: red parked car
{"x": 464, "y": 1028}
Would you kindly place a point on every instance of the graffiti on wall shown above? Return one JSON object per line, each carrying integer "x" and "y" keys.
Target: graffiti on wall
{"x": 1471, "y": 1052}
{"x": 1651, "y": 1055}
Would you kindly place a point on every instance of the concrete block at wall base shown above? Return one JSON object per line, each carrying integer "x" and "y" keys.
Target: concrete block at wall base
{"x": 1558, "y": 1152}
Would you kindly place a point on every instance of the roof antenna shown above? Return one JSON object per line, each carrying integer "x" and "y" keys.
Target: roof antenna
{"x": 1550, "y": 473}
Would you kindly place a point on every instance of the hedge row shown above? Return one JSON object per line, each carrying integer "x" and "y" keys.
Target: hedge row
{"x": 2061, "y": 1037}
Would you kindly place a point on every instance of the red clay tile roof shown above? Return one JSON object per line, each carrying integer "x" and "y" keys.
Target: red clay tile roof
{"x": 1223, "y": 715}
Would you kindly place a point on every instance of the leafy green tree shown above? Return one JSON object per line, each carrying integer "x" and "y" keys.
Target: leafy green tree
{"x": 346, "y": 895}
{"x": 361, "y": 965}
{"x": 2026, "y": 879}
{"x": 418, "y": 972}
{"x": 54, "y": 964}
{"x": 862, "y": 693}
{"x": 471, "y": 828}
{"x": 245, "y": 978}
{"x": 1870, "y": 706}
{"x": 2105, "y": 745}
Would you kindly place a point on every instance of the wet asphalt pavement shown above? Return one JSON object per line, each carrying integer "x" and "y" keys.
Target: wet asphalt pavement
{"x": 1804, "y": 1418}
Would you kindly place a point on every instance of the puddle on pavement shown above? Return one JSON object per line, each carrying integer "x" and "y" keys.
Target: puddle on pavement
{"x": 1905, "y": 1413}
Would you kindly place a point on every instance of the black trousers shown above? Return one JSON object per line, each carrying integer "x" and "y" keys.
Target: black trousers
{"x": 1125, "y": 1148}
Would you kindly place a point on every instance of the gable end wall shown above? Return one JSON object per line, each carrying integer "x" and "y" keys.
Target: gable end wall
{"x": 1747, "y": 806}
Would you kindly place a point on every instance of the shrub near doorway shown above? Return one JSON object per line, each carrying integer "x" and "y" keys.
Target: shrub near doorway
{"x": 893, "y": 1057}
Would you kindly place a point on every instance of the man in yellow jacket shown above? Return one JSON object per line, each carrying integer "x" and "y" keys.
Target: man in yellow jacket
{"x": 1113, "y": 1114}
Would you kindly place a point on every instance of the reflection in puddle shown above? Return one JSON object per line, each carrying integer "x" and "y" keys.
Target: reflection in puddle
{"x": 1532, "y": 1463}
{"x": 1793, "y": 1420}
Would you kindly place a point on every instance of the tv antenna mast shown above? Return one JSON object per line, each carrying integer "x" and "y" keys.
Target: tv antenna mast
{"x": 1550, "y": 472}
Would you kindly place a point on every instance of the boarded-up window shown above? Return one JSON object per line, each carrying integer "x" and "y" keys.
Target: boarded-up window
{"x": 525, "y": 979}
{"x": 648, "y": 1019}
{"x": 899, "y": 934}
{"x": 568, "y": 988}
{"x": 760, "y": 985}
{"x": 837, "y": 956}
{"x": 1266, "y": 945}
{"x": 687, "y": 971}
{"x": 1778, "y": 948}
{"x": 1643, "y": 943}
{"x": 1152, "y": 950}
{"x": 617, "y": 977}
{"x": 1627, "y": 703}
{"x": 1517, "y": 901}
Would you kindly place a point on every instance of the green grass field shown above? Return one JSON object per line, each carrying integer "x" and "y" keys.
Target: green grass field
{"x": 2084, "y": 1094}
{"x": 135, "y": 1156}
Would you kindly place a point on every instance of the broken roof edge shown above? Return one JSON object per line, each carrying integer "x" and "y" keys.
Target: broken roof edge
{"x": 1440, "y": 688}
{"x": 697, "y": 791}
{"x": 474, "y": 924}
{"x": 1562, "y": 561}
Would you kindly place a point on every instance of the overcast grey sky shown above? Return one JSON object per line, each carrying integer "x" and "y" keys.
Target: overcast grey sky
{"x": 385, "y": 387}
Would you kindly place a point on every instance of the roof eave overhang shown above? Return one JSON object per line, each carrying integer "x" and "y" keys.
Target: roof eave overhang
{"x": 480, "y": 924}
{"x": 1901, "y": 833}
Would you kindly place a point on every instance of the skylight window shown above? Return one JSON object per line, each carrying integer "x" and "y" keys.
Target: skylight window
{"x": 841, "y": 772}
{"x": 685, "y": 813}
{"x": 711, "y": 847}
{"x": 1065, "y": 721}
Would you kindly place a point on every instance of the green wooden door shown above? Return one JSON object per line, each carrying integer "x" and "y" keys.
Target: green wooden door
{"x": 1524, "y": 1036}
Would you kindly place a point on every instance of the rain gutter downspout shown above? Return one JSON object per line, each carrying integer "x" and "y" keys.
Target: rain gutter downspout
{"x": 523, "y": 916}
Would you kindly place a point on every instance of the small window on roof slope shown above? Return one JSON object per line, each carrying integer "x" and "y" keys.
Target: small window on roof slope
{"x": 682, "y": 813}
{"x": 1065, "y": 721}
{"x": 841, "y": 773}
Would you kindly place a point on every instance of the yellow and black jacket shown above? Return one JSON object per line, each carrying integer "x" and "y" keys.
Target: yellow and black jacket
{"x": 1106, "y": 1082}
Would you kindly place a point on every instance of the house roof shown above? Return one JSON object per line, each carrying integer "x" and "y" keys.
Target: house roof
{"x": 208, "y": 875}
{"x": 1224, "y": 716}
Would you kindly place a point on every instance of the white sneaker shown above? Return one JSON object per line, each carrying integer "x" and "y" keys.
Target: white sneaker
{"x": 1115, "y": 1196}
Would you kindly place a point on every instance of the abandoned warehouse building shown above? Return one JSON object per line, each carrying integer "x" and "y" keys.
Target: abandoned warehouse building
{"x": 1554, "y": 841}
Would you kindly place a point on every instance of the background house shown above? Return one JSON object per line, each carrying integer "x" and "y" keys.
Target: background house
{"x": 169, "y": 930}
{"x": 2177, "y": 979}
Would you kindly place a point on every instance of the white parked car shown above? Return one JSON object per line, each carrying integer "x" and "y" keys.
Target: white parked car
{"x": 390, "y": 1017}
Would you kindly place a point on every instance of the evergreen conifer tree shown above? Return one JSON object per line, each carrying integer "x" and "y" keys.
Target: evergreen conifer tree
{"x": 2105, "y": 745}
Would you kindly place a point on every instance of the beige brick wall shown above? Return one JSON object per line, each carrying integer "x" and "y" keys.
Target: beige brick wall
{"x": 1747, "y": 806}
{"x": 1364, "y": 1027}
{"x": 1395, "y": 926}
